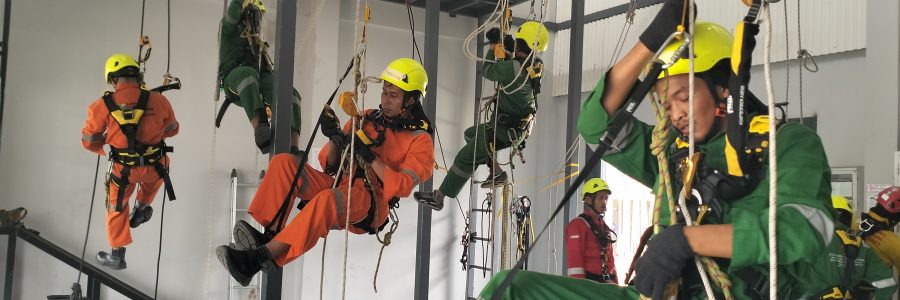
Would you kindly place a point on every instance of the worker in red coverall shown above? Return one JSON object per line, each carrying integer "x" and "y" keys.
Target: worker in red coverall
{"x": 134, "y": 122}
{"x": 396, "y": 150}
{"x": 589, "y": 241}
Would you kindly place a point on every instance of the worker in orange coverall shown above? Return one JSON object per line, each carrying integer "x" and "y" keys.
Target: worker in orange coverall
{"x": 396, "y": 151}
{"x": 134, "y": 122}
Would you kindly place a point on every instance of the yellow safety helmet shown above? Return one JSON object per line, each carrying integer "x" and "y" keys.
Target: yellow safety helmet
{"x": 117, "y": 62}
{"x": 712, "y": 43}
{"x": 535, "y": 35}
{"x": 407, "y": 74}
{"x": 594, "y": 185}
{"x": 257, "y": 3}
{"x": 841, "y": 202}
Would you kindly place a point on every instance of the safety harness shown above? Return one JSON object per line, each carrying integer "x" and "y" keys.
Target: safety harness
{"x": 136, "y": 154}
{"x": 604, "y": 240}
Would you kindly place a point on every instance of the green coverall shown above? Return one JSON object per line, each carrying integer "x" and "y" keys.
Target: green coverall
{"x": 828, "y": 269}
{"x": 238, "y": 69}
{"x": 513, "y": 108}
{"x": 805, "y": 223}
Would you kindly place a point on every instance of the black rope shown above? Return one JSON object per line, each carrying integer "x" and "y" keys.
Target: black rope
{"x": 168, "y": 35}
{"x": 412, "y": 30}
{"x": 620, "y": 119}
{"x": 90, "y": 216}
{"x": 281, "y": 216}
{"x": 141, "y": 43}
{"x": 162, "y": 218}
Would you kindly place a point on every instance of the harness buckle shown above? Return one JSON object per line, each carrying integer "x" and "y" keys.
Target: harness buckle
{"x": 866, "y": 225}
{"x": 606, "y": 277}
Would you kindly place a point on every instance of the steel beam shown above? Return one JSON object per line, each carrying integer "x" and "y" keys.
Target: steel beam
{"x": 423, "y": 231}
{"x": 576, "y": 49}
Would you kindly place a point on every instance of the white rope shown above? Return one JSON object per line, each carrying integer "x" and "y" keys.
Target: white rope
{"x": 493, "y": 18}
{"x": 773, "y": 170}
{"x": 359, "y": 66}
{"x": 691, "y": 144}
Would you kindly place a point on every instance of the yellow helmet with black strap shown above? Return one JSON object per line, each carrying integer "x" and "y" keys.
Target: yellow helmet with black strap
{"x": 535, "y": 35}
{"x": 121, "y": 65}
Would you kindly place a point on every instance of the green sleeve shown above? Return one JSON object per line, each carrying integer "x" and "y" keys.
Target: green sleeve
{"x": 501, "y": 71}
{"x": 631, "y": 150}
{"x": 233, "y": 13}
{"x": 805, "y": 222}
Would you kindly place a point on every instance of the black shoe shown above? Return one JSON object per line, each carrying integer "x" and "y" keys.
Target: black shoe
{"x": 498, "y": 180}
{"x": 140, "y": 215}
{"x": 246, "y": 237}
{"x": 263, "y": 136}
{"x": 434, "y": 200}
{"x": 243, "y": 264}
{"x": 115, "y": 259}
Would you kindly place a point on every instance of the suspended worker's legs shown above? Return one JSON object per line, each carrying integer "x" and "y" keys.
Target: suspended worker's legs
{"x": 270, "y": 197}
{"x": 326, "y": 210}
{"x": 475, "y": 152}
{"x": 118, "y": 230}
{"x": 149, "y": 183}
{"x": 244, "y": 82}
{"x": 529, "y": 285}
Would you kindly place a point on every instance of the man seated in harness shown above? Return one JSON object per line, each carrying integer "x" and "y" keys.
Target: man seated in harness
{"x": 734, "y": 230}
{"x": 134, "y": 122}
{"x": 515, "y": 106}
{"x": 831, "y": 277}
{"x": 589, "y": 240}
{"x": 245, "y": 71}
{"x": 394, "y": 147}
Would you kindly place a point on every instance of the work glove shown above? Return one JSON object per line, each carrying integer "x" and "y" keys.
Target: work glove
{"x": 667, "y": 254}
{"x": 664, "y": 24}
{"x": 329, "y": 123}
{"x": 493, "y": 35}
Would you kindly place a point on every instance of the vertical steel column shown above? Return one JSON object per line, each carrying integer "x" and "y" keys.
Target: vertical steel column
{"x": 576, "y": 50}
{"x": 423, "y": 231}
{"x": 10, "y": 265}
{"x": 93, "y": 288}
{"x": 3, "y": 59}
{"x": 473, "y": 202}
{"x": 282, "y": 116}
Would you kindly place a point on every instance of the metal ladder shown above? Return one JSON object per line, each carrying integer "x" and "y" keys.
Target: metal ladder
{"x": 477, "y": 217}
{"x": 254, "y": 290}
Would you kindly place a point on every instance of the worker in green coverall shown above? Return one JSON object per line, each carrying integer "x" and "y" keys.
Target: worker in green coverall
{"x": 870, "y": 278}
{"x": 738, "y": 236}
{"x": 516, "y": 109}
{"x": 246, "y": 73}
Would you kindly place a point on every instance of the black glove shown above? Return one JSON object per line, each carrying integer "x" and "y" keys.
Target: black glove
{"x": 493, "y": 35}
{"x": 667, "y": 254}
{"x": 509, "y": 43}
{"x": 329, "y": 123}
{"x": 362, "y": 150}
{"x": 664, "y": 24}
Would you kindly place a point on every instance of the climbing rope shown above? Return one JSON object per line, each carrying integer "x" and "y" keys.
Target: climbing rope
{"x": 773, "y": 162}
{"x": 143, "y": 40}
{"x": 87, "y": 232}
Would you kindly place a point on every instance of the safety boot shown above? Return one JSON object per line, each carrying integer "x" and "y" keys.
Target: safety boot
{"x": 496, "y": 180}
{"x": 115, "y": 259}
{"x": 262, "y": 134}
{"x": 434, "y": 200}
{"x": 243, "y": 264}
{"x": 246, "y": 237}
{"x": 140, "y": 215}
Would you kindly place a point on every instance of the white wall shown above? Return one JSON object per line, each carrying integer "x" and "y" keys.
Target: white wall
{"x": 55, "y": 71}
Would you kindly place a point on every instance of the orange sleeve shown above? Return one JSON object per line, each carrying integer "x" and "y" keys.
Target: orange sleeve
{"x": 415, "y": 168}
{"x": 93, "y": 134}
{"x": 170, "y": 124}
{"x": 575, "y": 237}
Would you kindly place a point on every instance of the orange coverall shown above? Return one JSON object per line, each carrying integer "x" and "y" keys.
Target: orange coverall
{"x": 100, "y": 128}
{"x": 408, "y": 157}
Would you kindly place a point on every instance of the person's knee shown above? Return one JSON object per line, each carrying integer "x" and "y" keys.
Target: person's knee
{"x": 282, "y": 160}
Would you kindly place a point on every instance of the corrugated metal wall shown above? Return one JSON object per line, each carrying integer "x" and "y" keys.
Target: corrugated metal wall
{"x": 827, "y": 26}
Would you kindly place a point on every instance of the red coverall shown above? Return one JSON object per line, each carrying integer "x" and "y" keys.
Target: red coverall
{"x": 100, "y": 128}
{"x": 408, "y": 157}
{"x": 584, "y": 254}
